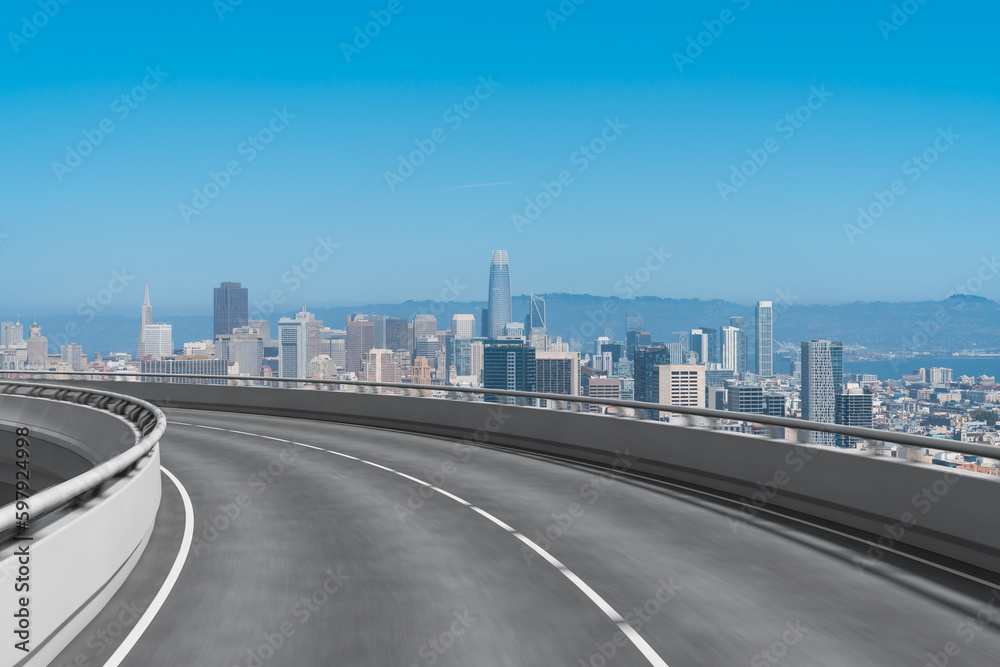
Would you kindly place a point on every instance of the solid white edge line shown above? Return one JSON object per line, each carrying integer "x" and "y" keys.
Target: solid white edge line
{"x": 452, "y": 496}
{"x": 492, "y": 518}
{"x": 168, "y": 584}
{"x": 412, "y": 479}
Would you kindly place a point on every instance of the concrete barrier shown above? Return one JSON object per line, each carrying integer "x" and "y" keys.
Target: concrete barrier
{"x": 939, "y": 510}
{"x": 76, "y": 559}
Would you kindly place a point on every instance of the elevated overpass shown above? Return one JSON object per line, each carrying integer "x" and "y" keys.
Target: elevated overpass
{"x": 322, "y": 527}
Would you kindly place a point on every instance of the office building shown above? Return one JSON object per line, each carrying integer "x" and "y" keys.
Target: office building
{"x": 477, "y": 353}
{"x": 557, "y": 372}
{"x": 606, "y": 388}
{"x": 293, "y": 347}
{"x": 183, "y": 366}
{"x": 427, "y": 347}
{"x": 536, "y": 315}
{"x": 822, "y": 381}
{"x": 681, "y": 385}
{"x": 72, "y": 354}
{"x": 508, "y": 364}
{"x": 245, "y": 346}
{"x": 264, "y": 328}
{"x": 704, "y": 342}
{"x": 420, "y": 372}
{"x": 730, "y": 337}
{"x": 765, "y": 339}
{"x": 37, "y": 348}
{"x": 853, "y": 408}
{"x": 360, "y": 339}
{"x": 230, "y": 310}
{"x": 146, "y": 320}
{"x": 741, "y": 343}
{"x": 158, "y": 341}
{"x": 939, "y": 376}
{"x": 647, "y": 383}
{"x": 396, "y": 333}
{"x": 499, "y": 305}
{"x": 463, "y": 326}
{"x": 12, "y": 334}
{"x": 379, "y": 365}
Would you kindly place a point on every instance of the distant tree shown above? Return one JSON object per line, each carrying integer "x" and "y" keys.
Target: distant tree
{"x": 987, "y": 416}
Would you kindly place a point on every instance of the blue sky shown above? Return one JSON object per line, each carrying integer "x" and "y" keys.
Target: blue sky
{"x": 344, "y": 124}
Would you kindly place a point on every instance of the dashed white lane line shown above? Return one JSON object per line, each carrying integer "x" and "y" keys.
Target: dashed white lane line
{"x": 168, "y": 584}
{"x": 647, "y": 651}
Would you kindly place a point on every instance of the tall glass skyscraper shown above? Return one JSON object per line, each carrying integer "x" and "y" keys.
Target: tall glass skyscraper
{"x": 765, "y": 339}
{"x": 741, "y": 343}
{"x": 536, "y": 316}
{"x": 499, "y": 302}
{"x": 231, "y": 309}
{"x": 822, "y": 381}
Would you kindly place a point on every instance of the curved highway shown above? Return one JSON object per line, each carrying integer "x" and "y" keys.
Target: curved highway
{"x": 323, "y": 544}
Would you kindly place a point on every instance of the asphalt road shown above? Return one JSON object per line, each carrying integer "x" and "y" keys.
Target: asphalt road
{"x": 302, "y": 557}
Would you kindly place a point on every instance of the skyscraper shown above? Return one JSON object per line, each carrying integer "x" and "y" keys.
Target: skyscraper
{"x": 293, "y": 346}
{"x": 38, "y": 348}
{"x": 647, "y": 382}
{"x": 13, "y": 334}
{"x": 557, "y": 372}
{"x": 463, "y": 326}
{"x": 765, "y": 339}
{"x": 360, "y": 339}
{"x": 147, "y": 319}
{"x": 741, "y": 343}
{"x": 730, "y": 347}
{"x": 158, "y": 340}
{"x": 508, "y": 364}
{"x": 854, "y": 408}
{"x": 536, "y": 315}
{"x": 396, "y": 332}
{"x": 822, "y": 381}
{"x": 499, "y": 299}
{"x": 703, "y": 341}
{"x": 230, "y": 308}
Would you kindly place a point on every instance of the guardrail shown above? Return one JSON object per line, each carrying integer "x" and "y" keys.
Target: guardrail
{"x": 870, "y": 435}
{"x": 146, "y": 419}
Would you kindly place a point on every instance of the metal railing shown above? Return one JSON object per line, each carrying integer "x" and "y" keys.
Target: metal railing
{"x": 870, "y": 435}
{"x": 146, "y": 420}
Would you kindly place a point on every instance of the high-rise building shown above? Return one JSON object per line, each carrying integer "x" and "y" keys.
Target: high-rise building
{"x": 647, "y": 384}
{"x": 360, "y": 339}
{"x": 703, "y": 342}
{"x": 38, "y": 348}
{"x": 263, "y": 327}
{"x": 463, "y": 326}
{"x": 822, "y": 381}
{"x": 147, "y": 319}
{"x": 427, "y": 347}
{"x": 423, "y": 325}
{"x": 682, "y": 385}
{"x": 557, "y": 372}
{"x": 853, "y": 408}
{"x": 314, "y": 333}
{"x": 12, "y": 334}
{"x": 741, "y": 343}
{"x": 499, "y": 299}
{"x": 536, "y": 315}
{"x": 245, "y": 346}
{"x": 230, "y": 309}
{"x": 607, "y": 388}
{"x": 461, "y": 355}
{"x": 508, "y": 364}
{"x": 72, "y": 354}
{"x": 396, "y": 332}
{"x": 476, "y": 356}
{"x": 730, "y": 348}
{"x": 379, "y": 365}
{"x": 293, "y": 348}
{"x": 158, "y": 340}
{"x": 421, "y": 371}
{"x": 765, "y": 339}
{"x": 939, "y": 375}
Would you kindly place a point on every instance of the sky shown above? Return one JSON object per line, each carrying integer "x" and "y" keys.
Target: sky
{"x": 699, "y": 150}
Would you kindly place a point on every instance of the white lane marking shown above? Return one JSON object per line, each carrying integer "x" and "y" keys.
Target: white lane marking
{"x": 302, "y": 444}
{"x": 168, "y": 584}
{"x": 453, "y": 497}
{"x": 346, "y": 456}
{"x": 493, "y": 519}
{"x": 214, "y": 428}
{"x": 640, "y": 643}
{"x": 412, "y": 479}
{"x": 258, "y": 435}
